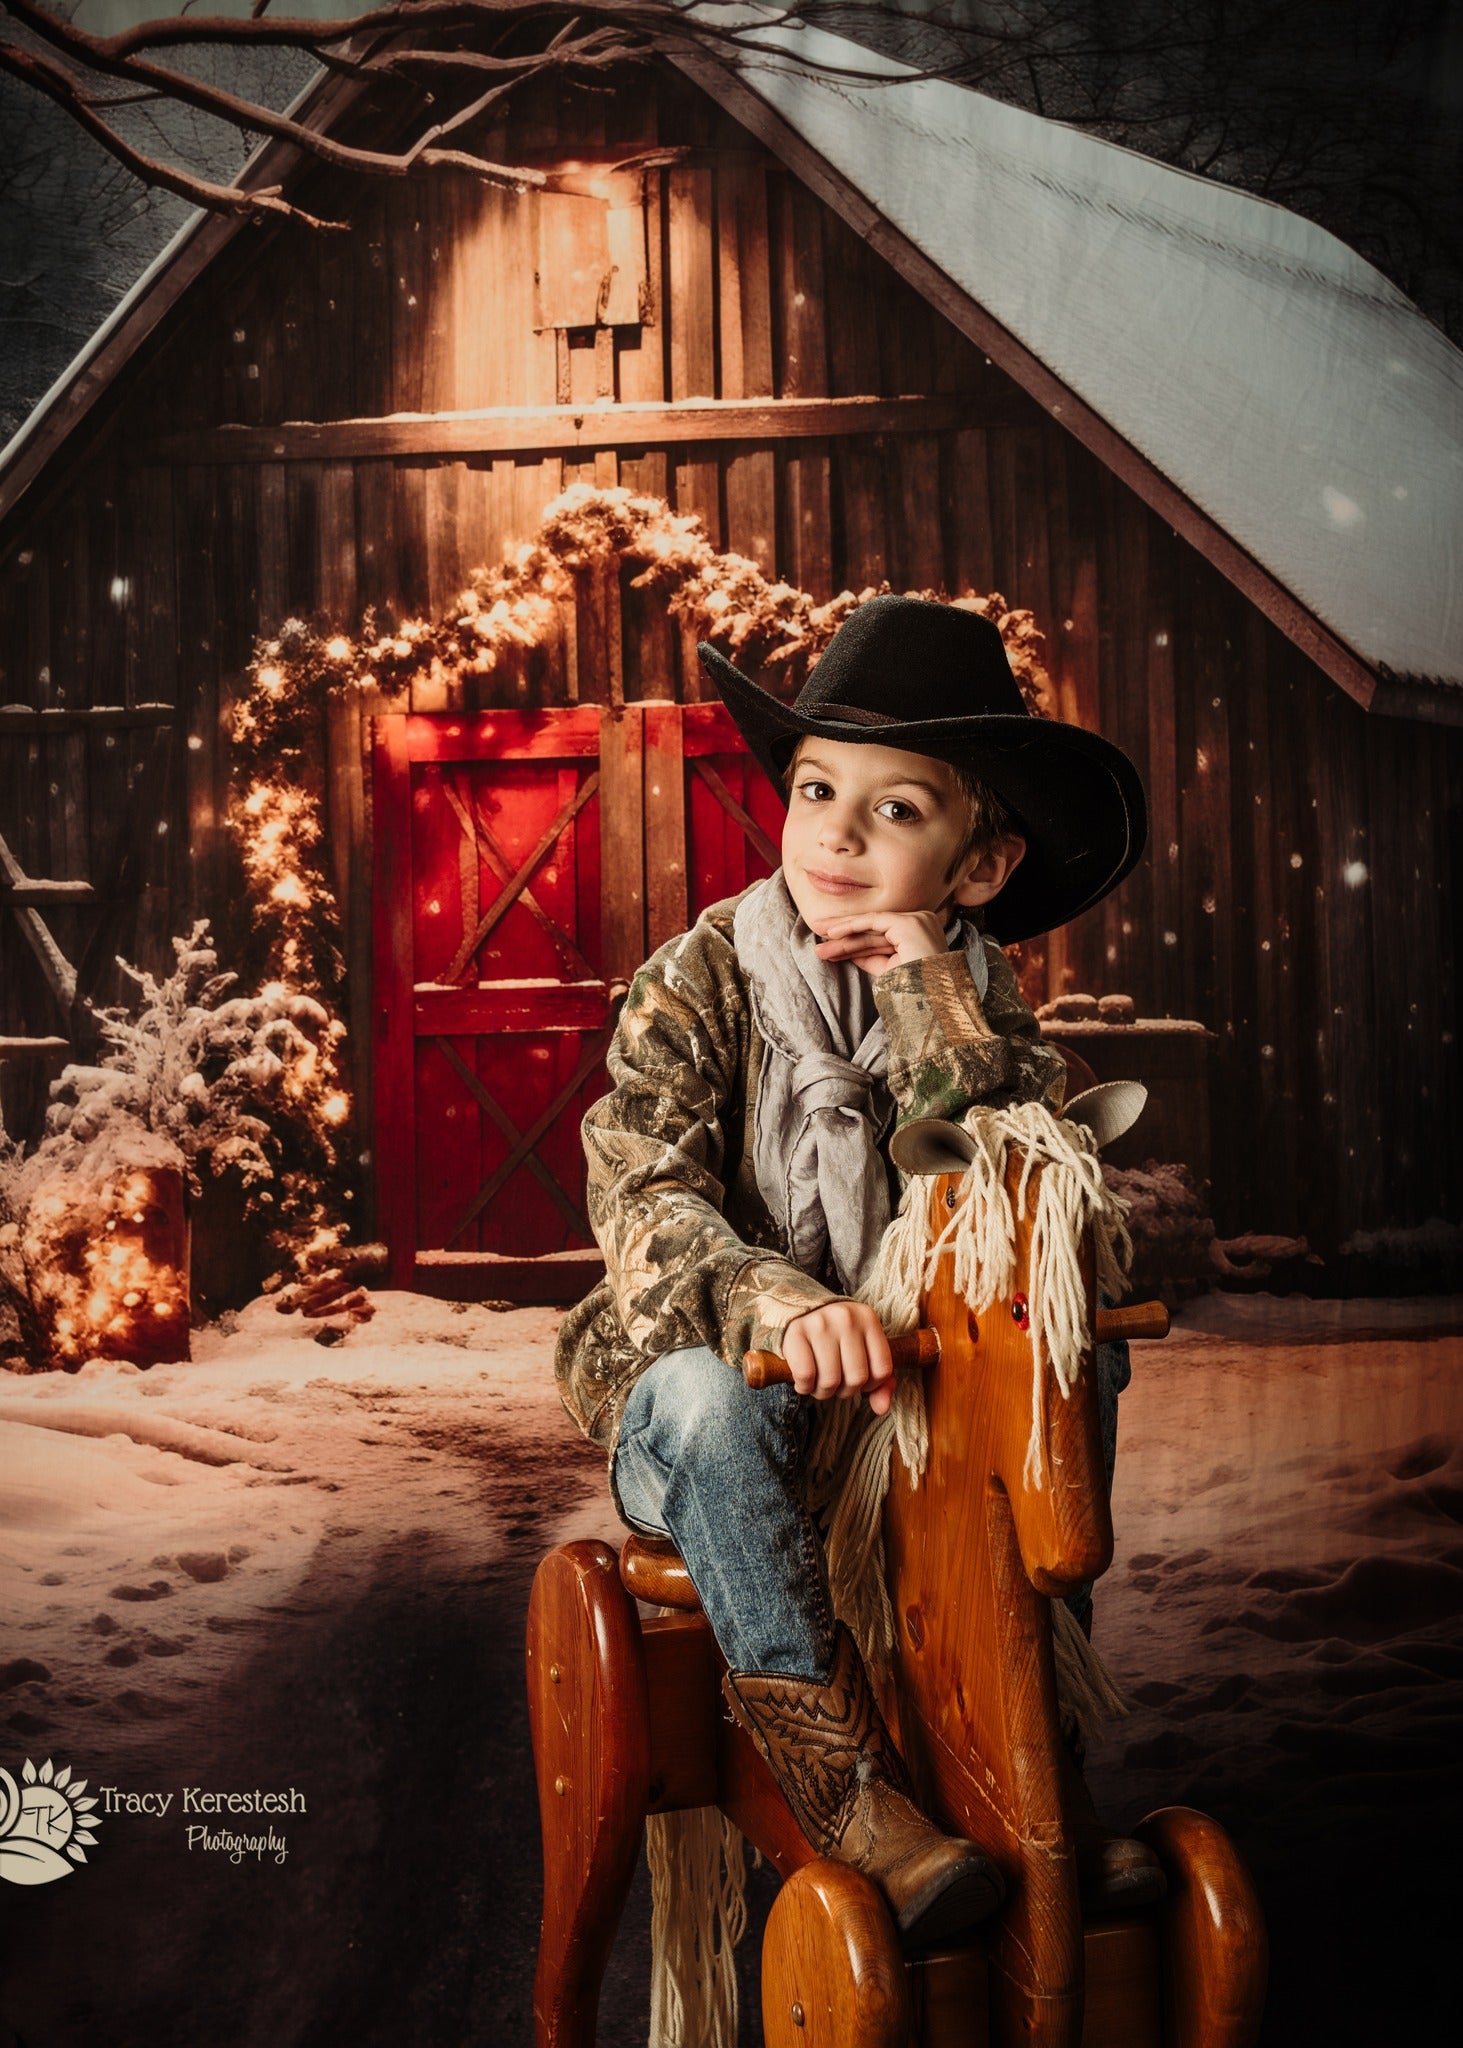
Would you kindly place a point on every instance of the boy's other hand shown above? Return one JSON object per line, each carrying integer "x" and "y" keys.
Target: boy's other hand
{"x": 840, "y": 1349}
{"x": 879, "y": 939}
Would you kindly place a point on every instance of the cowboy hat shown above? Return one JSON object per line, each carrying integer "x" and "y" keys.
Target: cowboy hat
{"x": 934, "y": 679}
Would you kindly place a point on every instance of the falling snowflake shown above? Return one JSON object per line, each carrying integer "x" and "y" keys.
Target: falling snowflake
{"x": 1343, "y": 512}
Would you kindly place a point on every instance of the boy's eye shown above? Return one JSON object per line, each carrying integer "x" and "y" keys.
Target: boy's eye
{"x": 816, "y": 791}
{"x": 899, "y": 812}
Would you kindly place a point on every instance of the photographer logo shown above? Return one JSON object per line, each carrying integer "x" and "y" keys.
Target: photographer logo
{"x": 44, "y": 1820}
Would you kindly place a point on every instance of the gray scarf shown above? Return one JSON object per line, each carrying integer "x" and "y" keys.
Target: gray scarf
{"x": 823, "y": 1101}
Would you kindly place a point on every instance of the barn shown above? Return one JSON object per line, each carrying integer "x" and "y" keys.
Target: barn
{"x": 866, "y": 331}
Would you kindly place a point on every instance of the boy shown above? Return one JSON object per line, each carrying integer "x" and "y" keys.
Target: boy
{"x": 739, "y": 1182}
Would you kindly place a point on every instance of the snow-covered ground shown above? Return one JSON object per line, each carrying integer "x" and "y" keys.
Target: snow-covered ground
{"x": 1286, "y": 1606}
{"x": 282, "y": 1566}
{"x": 178, "y": 1509}
{"x": 285, "y": 1565}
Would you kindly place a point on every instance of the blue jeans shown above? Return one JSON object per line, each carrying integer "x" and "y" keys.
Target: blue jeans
{"x": 717, "y": 1468}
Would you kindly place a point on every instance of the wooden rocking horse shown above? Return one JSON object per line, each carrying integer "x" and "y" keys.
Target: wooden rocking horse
{"x": 627, "y": 1721}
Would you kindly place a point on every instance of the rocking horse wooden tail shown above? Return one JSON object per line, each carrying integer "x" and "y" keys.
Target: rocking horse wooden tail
{"x": 1215, "y": 1949}
{"x": 588, "y": 1713}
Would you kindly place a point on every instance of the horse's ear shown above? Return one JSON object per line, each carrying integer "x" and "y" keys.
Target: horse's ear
{"x": 927, "y": 1144}
{"x": 1107, "y": 1110}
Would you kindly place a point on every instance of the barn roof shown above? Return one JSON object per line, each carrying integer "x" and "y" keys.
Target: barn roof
{"x": 1278, "y": 382}
{"x": 1254, "y": 379}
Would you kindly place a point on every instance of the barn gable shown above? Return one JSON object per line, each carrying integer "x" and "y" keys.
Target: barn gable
{"x": 309, "y": 428}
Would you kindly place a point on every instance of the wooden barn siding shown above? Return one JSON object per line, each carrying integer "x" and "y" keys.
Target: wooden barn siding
{"x": 1335, "y": 1066}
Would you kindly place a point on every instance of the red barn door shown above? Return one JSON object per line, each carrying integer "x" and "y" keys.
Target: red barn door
{"x": 526, "y": 862}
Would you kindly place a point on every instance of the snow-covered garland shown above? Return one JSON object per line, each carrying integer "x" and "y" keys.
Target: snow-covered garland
{"x": 276, "y": 806}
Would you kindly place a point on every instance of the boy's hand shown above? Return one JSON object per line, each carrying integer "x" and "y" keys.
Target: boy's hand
{"x": 840, "y": 1349}
{"x": 878, "y": 939}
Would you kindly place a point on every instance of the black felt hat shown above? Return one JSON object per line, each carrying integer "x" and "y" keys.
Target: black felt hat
{"x": 934, "y": 679}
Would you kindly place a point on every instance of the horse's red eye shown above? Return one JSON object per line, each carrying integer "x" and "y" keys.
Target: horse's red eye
{"x": 1018, "y": 1309}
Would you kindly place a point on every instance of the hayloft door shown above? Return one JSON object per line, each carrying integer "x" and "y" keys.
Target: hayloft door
{"x": 525, "y": 864}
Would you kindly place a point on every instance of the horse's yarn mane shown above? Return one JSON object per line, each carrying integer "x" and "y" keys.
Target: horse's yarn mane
{"x": 698, "y": 1859}
{"x": 1071, "y": 1198}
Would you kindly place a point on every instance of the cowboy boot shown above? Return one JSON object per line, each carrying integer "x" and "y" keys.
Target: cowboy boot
{"x": 1114, "y": 1873}
{"x": 826, "y": 1745}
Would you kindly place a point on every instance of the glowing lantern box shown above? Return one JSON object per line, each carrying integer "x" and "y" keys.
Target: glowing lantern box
{"x": 106, "y": 1247}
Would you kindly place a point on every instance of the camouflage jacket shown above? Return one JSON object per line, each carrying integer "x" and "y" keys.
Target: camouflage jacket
{"x": 692, "y": 1256}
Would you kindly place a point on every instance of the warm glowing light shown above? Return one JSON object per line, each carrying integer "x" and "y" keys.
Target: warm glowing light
{"x": 102, "y": 1252}
{"x": 335, "y": 1108}
{"x": 339, "y": 648}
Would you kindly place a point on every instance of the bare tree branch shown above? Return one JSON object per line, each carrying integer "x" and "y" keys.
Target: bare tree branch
{"x": 42, "y": 72}
{"x": 178, "y": 86}
{"x": 404, "y": 18}
{"x": 595, "y": 32}
{"x": 589, "y": 37}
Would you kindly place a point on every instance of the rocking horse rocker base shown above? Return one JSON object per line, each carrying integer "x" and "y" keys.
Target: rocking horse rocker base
{"x": 628, "y": 1720}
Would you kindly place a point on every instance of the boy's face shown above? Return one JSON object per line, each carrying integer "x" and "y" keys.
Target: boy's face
{"x": 873, "y": 828}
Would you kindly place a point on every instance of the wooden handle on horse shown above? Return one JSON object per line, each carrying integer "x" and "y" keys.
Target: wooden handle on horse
{"x": 1138, "y": 1319}
{"x": 916, "y": 1347}
{"x": 922, "y": 1347}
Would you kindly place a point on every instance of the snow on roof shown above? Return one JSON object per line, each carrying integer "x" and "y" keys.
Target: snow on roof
{"x": 1289, "y": 391}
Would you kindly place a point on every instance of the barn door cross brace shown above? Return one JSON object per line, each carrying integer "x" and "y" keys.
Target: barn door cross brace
{"x": 530, "y": 1138}
{"x": 737, "y": 814}
{"x": 516, "y": 880}
{"x": 512, "y": 1133}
